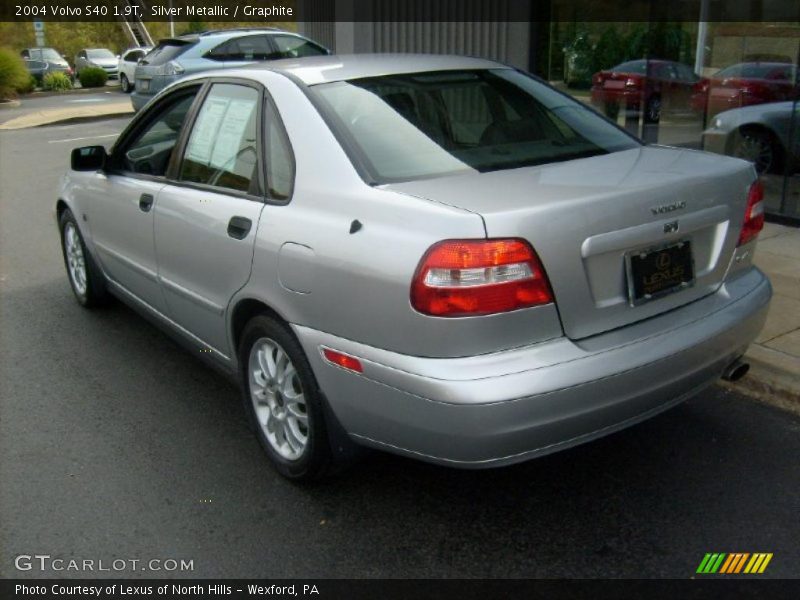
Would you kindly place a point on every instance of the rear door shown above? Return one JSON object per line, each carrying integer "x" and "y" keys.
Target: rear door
{"x": 207, "y": 215}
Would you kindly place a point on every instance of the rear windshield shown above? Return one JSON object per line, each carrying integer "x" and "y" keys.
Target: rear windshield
{"x": 45, "y": 54}
{"x": 757, "y": 71}
{"x": 165, "y": 51}
{"x": 632, "y": 66}
{"x": 414, "y": 126}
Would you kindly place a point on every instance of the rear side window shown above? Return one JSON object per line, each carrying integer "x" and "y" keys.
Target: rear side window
{"x": 252, "y": 47}
{"x": 166, "y": 51}
{"x": 222, "y": 150}
{"x": 280, "y": 161}
{"x": 295, "y": 47}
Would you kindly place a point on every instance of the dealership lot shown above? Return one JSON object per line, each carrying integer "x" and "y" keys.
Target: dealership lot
{"x": 115, "y": 443}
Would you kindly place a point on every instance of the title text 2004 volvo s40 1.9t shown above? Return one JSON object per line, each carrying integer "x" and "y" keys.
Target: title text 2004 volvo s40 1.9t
{"x": 437, "y": 256}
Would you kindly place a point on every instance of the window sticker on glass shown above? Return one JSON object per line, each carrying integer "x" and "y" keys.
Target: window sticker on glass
{"x": 229, "y": 137}
{"x": 205, "y": 130}
{"x": 222, "y": 149}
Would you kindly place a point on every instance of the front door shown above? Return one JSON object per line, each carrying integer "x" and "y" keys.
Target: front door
{"x": 121, "y": 201}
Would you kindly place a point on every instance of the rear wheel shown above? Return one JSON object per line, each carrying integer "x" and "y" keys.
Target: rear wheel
{"x": 760, "y": 148}
{"x": 124, "y": 83}
{"x": 652, "y": 110}
{"x": 85, "y": 278}
{"x": 283, "y": 401}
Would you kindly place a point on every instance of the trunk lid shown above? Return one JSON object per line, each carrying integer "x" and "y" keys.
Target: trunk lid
{"x": 584, "y": 216}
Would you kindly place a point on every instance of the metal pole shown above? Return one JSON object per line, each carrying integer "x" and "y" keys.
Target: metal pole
{"x": 171, "y": 23}
{"x": 702, "y": 34}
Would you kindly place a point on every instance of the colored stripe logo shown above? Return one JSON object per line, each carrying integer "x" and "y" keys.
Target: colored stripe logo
{"x": 734, "y": 563}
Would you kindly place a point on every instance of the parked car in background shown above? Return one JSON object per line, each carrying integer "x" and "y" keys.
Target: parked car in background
{"x": 437, "y": 256}
{"x": 54, "y": 62}
{"x": 177, "y": 57}
{"x": 654, "y": 86}
{"x": 127, "y": 66}
{"x": 746, "y": 84}
{"x": 98, "y": 57}
{"x": 37, "y": 68}
{"x": 761, "y": 134}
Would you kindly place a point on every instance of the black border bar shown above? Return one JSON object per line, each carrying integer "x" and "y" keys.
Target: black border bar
{"x": 249, "y": 11}
{"x": 390, "y": 589}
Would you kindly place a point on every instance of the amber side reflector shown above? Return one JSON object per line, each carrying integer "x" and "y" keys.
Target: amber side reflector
{"x": 342, "y": 360}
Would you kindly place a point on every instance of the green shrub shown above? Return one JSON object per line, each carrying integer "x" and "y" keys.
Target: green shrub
{"x": 56, "y": 81}
{"x": 92, "y": 77}
{"x": 14, "y": 77}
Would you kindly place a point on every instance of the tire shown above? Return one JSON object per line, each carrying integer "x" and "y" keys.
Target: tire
{"x": 283, "y": 401}
{"x": 652, "y": 110}
{"x": 611, "y": 110}
{"x": 124, "y": 83}
{"x": 85, "y": 278}
{"x": 759, "y": 147}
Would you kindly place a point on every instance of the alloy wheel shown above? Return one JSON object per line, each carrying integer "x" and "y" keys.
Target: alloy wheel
{"x": 76, "y": 262}
{"x": 278, "y": 399}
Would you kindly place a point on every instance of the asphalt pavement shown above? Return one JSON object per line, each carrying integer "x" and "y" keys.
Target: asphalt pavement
{"x": 115, "y": 443}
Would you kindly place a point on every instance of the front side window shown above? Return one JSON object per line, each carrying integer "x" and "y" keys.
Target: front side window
{"x": 222, "y": 150}
{"x": 417, "y": 125}
{"x": 150, "y": 151}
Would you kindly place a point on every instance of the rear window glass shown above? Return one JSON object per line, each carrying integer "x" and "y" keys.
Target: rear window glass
{"x": 757, "y": 71}
{"x": 412, "y": 126}
{"x": 166, "y": 51}
{"x": 632, "y": 66}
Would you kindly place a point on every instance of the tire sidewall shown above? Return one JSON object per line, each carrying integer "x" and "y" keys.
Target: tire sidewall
{"x": 124, "y": 83}
{"x": 68, "y": 219}
{"x": 316, "y": 455}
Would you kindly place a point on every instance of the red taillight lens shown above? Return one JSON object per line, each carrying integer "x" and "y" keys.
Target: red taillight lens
{"x": 345, "y": 361}
{"x": 458, "y": 278}
{"x": 754, "y": 213}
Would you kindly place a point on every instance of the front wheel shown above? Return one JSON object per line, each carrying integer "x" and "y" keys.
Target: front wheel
{"x": 124, "y": 83}
{"x": 283, "y": 401}
{"x": 85, "y": 278}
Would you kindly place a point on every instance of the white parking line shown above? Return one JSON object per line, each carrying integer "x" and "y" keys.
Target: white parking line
{"x": 91, "y": 137}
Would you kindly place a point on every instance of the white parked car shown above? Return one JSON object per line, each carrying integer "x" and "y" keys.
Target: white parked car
{"x": 127, "y": 65}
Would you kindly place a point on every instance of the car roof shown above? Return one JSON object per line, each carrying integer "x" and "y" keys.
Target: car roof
{"x": 340, "y": 67}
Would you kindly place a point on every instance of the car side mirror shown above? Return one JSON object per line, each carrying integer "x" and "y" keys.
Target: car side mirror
{"x": 88, "y": 158}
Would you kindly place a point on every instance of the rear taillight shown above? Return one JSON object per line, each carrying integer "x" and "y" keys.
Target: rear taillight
{"x": 754, "y": 213}
{"x": 458, "y": 278}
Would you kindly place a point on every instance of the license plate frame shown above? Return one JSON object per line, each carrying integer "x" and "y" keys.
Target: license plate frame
{"x": 144, "y": 85}
{"x": 675, "y": 272}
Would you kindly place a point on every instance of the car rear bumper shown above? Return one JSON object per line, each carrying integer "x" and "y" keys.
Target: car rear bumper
{"x": 506, "y": 407}
{"x": 623, "y": 97}
{"x": 138, "y": 100}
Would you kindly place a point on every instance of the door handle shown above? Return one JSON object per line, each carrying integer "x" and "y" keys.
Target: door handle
{"x": 239, "y": 227}
{"x": 145, "y": 202}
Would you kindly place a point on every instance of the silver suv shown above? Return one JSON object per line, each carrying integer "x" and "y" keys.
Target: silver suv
{"x": 441, "y": 257}
{"x": 177, "y": 57}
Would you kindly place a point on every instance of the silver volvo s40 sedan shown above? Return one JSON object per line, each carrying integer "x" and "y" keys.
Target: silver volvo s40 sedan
{"x": 441, "y": 257}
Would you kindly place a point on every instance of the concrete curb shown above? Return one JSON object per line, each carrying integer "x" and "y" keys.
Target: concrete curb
{"x": 774, "y": 378}
{"x": 52, "y": 116}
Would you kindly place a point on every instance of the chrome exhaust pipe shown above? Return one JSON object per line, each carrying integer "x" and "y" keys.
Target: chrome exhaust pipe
{"x": 736, "y": 370}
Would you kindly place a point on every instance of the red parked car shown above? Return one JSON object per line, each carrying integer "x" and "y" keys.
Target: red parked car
{"x": 664, "y": 85}
{"x": 746, "y": 84}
